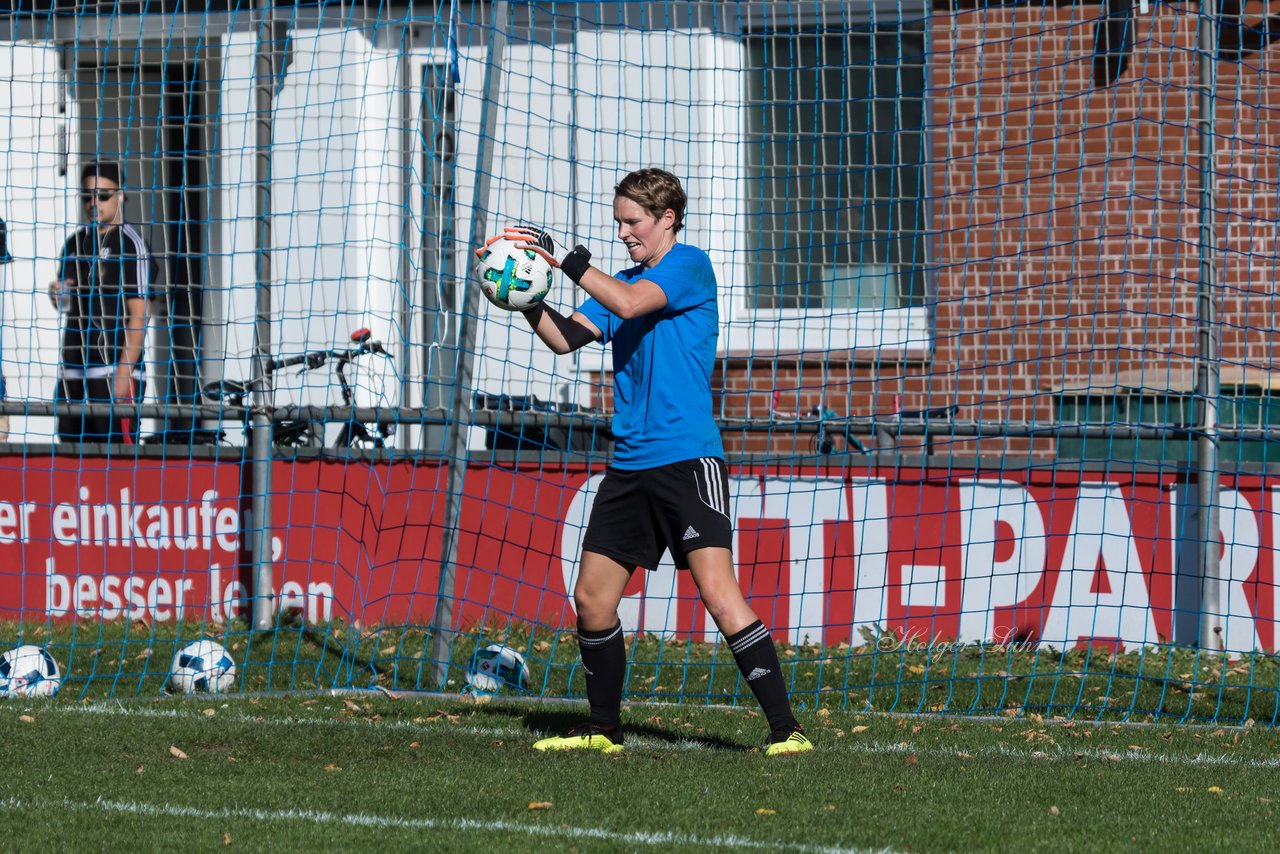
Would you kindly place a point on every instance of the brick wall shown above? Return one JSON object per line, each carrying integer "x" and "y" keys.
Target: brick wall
{"x": 1065, "y": 252}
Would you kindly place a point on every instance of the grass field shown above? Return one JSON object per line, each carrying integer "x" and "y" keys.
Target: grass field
{"x": 1171, "y": 684}
{"x": 943, "y": 749}
{"x": 335, "y": 772}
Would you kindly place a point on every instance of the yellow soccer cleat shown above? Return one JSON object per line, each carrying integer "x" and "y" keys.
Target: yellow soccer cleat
{"x": 585, "y": 737}
{"x": 793, "y": 742}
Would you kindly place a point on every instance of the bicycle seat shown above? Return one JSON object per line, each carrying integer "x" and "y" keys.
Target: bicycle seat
{"x": 226, "y": 389}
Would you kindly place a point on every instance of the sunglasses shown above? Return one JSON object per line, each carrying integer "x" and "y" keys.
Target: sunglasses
{"x": 100, "y": 195}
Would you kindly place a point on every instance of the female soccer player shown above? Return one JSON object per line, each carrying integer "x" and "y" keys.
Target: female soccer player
{"x": 667, "y": 487}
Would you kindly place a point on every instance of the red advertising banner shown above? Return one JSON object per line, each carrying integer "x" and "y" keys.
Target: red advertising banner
{"x": 1063, "y": 558}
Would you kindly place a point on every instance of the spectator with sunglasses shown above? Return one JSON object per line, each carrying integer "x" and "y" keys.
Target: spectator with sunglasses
{"x": 103, "y": 288}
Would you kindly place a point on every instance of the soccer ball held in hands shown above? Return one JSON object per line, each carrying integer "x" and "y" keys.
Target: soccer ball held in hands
{"x": 512, "y": 276}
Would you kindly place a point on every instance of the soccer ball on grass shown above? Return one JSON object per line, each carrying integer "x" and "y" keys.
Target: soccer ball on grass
{"x": 29, "y": 671}
{"x": 512, "y": 278}
{"x": 202, "y": 667}
{"x": 494, "y": 666}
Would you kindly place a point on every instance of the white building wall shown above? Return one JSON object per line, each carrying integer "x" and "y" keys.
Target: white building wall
{"x": 527, "y": 184}
{"x": 337, "y": 178}
{"x": 40, "y": 210}
{"x": 638, "y": 99}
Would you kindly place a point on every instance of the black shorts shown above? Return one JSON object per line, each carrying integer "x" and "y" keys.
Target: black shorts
{"x": 680, "y": 507}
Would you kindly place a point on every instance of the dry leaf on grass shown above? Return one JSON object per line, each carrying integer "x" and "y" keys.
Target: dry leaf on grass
{"x": 331, "y": 767}
{"x": 226, "y": 839}
{"x": 765, "y": 811}
{"x": 177, "y": 752}
{"x": 859, "y": 728}
{"x": 540, "y": 805}
{"x": 26, "y": 719}
{"x": 208, "y": 713}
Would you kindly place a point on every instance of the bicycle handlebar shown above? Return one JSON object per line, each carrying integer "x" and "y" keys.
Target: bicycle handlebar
{"x": 277, "y": 364}
{"x": 310, "y": 360}
{"x": 313, "y": 359}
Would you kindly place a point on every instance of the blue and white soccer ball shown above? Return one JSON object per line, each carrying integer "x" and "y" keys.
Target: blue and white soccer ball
{"x": 29, "y": 671}
{"x": 495, "y": 666}
{"x": 202, "y": 667}
{"x": 512, "y": 278}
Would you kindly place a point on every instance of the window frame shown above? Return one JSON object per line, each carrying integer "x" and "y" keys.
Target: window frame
{"x": 907, "y": 329}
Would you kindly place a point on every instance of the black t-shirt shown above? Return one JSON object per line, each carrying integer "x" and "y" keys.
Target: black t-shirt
{"x": 106, "y": 272}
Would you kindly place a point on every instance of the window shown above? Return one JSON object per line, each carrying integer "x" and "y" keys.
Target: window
{"x": 1240, "y": 407}
{"x": 836, "y": 151}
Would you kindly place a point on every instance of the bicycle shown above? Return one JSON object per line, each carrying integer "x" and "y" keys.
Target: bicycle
{"x": 824, "y": 436}
{"x": 302, "y": 433}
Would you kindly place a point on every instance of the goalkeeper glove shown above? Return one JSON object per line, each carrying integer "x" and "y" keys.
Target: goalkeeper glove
{"x": 573, "y": 263}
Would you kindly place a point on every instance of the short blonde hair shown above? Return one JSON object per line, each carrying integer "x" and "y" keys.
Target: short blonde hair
{"x": 655, "y": 190}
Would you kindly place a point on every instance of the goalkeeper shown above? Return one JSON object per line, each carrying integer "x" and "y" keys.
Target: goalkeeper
{"x": 667, "y": 487}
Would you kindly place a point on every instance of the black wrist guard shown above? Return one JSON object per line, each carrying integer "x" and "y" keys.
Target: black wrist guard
{"x": 575, "y": 264}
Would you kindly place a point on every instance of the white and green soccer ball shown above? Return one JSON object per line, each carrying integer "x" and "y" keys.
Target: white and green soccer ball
{"x": 496, "y": 666}
{"x": 512, "y": 278}
{"x": 202, "y": 667}
{"x": 29, "y": 671}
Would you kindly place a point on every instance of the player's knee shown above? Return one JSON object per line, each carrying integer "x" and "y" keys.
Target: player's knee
{"x": 729, "y": 611}
{"x": 594, "y": 612}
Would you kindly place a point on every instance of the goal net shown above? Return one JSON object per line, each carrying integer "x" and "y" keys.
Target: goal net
{"x": 995, "y": 299}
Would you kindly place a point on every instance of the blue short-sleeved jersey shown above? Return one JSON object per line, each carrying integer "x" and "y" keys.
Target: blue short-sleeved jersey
{"x": 662, "y": 364}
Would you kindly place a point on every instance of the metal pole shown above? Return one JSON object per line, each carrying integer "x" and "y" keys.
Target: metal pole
{"x": 439, "y": 288}
{"x": 263, "y": 396}
{"x": 405, "y": 273}
{"x": 442, "y": 621}
{"x": 1207, "y": 367}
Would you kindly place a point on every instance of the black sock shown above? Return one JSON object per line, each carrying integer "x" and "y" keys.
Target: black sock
{"x": 604, "y": 660}
{"x": 757, "y": 658}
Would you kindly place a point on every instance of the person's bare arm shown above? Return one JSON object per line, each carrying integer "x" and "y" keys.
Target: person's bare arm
{"x": 135, "y": 334}
{"x": 625, "y": 299}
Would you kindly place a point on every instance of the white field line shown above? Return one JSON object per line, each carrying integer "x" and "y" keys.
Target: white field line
{"x": 556, "y": 831}
{"x": 853, "y": 744}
